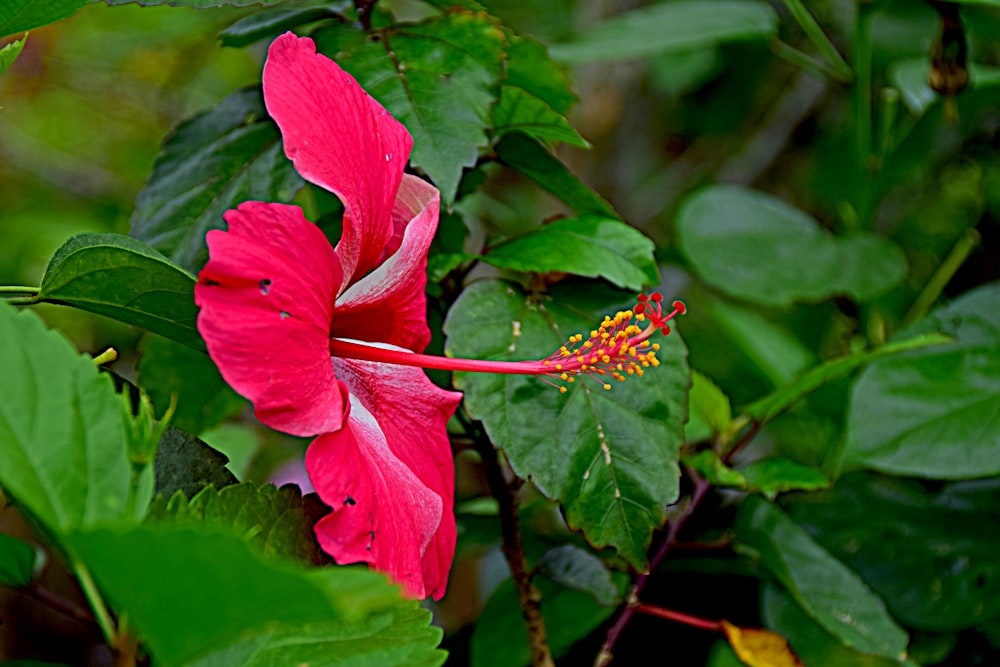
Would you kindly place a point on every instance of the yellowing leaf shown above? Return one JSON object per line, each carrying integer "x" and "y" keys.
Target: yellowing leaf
{"x": 760, "y": 648}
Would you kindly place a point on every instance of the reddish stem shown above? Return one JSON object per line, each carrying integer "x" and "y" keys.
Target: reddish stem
{"x": 680, "y": 617}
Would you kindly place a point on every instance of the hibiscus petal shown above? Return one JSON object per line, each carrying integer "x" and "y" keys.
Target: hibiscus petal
{"x": 341, "y": 139}
{"x": 389, "y": 477}
{"x": 266, "y": 297}
{"x": 389, "y": 305}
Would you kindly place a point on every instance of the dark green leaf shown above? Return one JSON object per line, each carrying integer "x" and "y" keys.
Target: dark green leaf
{"x": 122, "y": 278}
{"x": 427, "y": 75}
{"x": 278, "y": 521}
{"x": 500, "y": 640}
{"x": 185, "y": 464}
{"x": 530, "y": 67}
{"x": 199, "y": 4}
{"x": 520, "y": 111}
{"x": 211, "y": 163}
{"x": 576, "y": 568}
{"x": 816, "y": 646}
{"x": 271, "y": 22}
{"x": 609, "y": 456}
{"x": 710, "y": 410}
{"x": 932, "y": 556}
{"x": 933, "y": 412}
{"x": 527, "y": 157}
{"x": 828, "y": 591}
{"x": 587, "y": 246}
{"x": 63, "y": 450}
{"x": 17, "y": 562}
{"x": 775, "y": 403}
{"x": 774, "y": 475}
{"x": 671, "y": 26}
{"x": 756, "y": 247}
{"x": 9, "y": 53}
{"x": 207, "y": 598}
{"x": 20, "y": 15}
{"x": 171, "y": 372}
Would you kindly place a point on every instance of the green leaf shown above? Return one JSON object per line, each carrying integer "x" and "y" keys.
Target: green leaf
{"x": 687, "y": 25}
{"x": 122, "y": 278}
{"x": 816, "y": 646}
{"x": 17, "y": 562}
{"x": 62, "y": 441}
{"x": 610, "y": 457}
{"x": 21, "y": 15}
{"x": 9, "y": 53}
{"x": 933, "y": 412}
{"x": 580, "y": 570}
{"x": 499, "y": 638}
{"x": 587, "y": 246}
{"x": 788, "y": 395}
{"x": 278, "y": 521}
{"x": 531, "y": 68}
{"x": 708, "y": 464}
{"x": 520, "y": 111}
{"x": 528, "y": 158}
{"x": 776, "y": 474}
{"x": 910, "y": 78}
{"x": 768, "y": 349}
{"x": 187, "y": 465}
{"x": 710, "y": 410}
{"x": 756, "y": 247}
{"x": 931, "y": 555}
{"x": 209, "y": 164}
{"x": 207, "y": 598}
{"x": 432, "y": 81}
{"x": 171, "y": 372}
{"x": 828, "y": 591}
{"x": 199, "y": 4}
{"x": 271, "y": 22}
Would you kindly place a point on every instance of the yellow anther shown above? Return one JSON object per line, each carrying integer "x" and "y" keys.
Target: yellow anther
{"x": 548, "y": 363}
{"x": 606, "y": 359}
{"x": 587, "y": 345}
{"x": 640, "y": 317}
{"x": 558, "y": 367}
{"x": 570, "y": 378}
{"x": 656, "y": 347}
{"x": 607, "y": 387}
{"x": 593, "y": 333}
{"x": 564, "y": 376}
{"x": 632, "y": 351}
{"x": 562, "y": 390}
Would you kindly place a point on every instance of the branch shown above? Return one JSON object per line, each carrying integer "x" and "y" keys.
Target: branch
{"x": 528, "y": 595}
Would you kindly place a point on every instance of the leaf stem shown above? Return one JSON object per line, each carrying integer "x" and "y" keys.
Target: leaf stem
{"x": 59, "y": 603}
{"x": 838, "y": 66}
{"x": 513, "y": 551}
{"x": 679, "y": 616}
{"x": 803, "y": 61}
{"x": 101, "y": 614}
{"x": 106, "y": 357}
{"x": 18, "y": 289}
{"x": 861, "y": 100}
{"x": 942, "y": 276}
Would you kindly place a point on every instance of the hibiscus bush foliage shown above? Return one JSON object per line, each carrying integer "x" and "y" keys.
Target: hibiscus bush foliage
{"x": 338, "y": 333}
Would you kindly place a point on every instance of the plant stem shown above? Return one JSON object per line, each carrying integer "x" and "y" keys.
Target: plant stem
{"x": 101, "y": 614}
{"x": 61, "y": 604}
{"x": 20, "y": 295}
{"x": 513, "y": 551}
{"x": 861, "y": 98}
{"x": 106, "y": 357}
{"x": 803, "y": 61}
{"x": 839, "y": 67}
{"x": 680, "y": 617}
{"x": 932, "y": 290}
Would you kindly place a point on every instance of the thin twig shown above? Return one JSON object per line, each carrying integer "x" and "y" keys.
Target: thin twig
{"x": 528, "y": 595}
{"x": 59, "y": 603}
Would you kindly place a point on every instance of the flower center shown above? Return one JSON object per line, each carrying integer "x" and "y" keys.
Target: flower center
{"x": 618, "y": 348}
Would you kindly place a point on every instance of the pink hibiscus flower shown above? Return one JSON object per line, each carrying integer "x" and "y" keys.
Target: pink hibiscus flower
{"x": 326, "y": 341}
